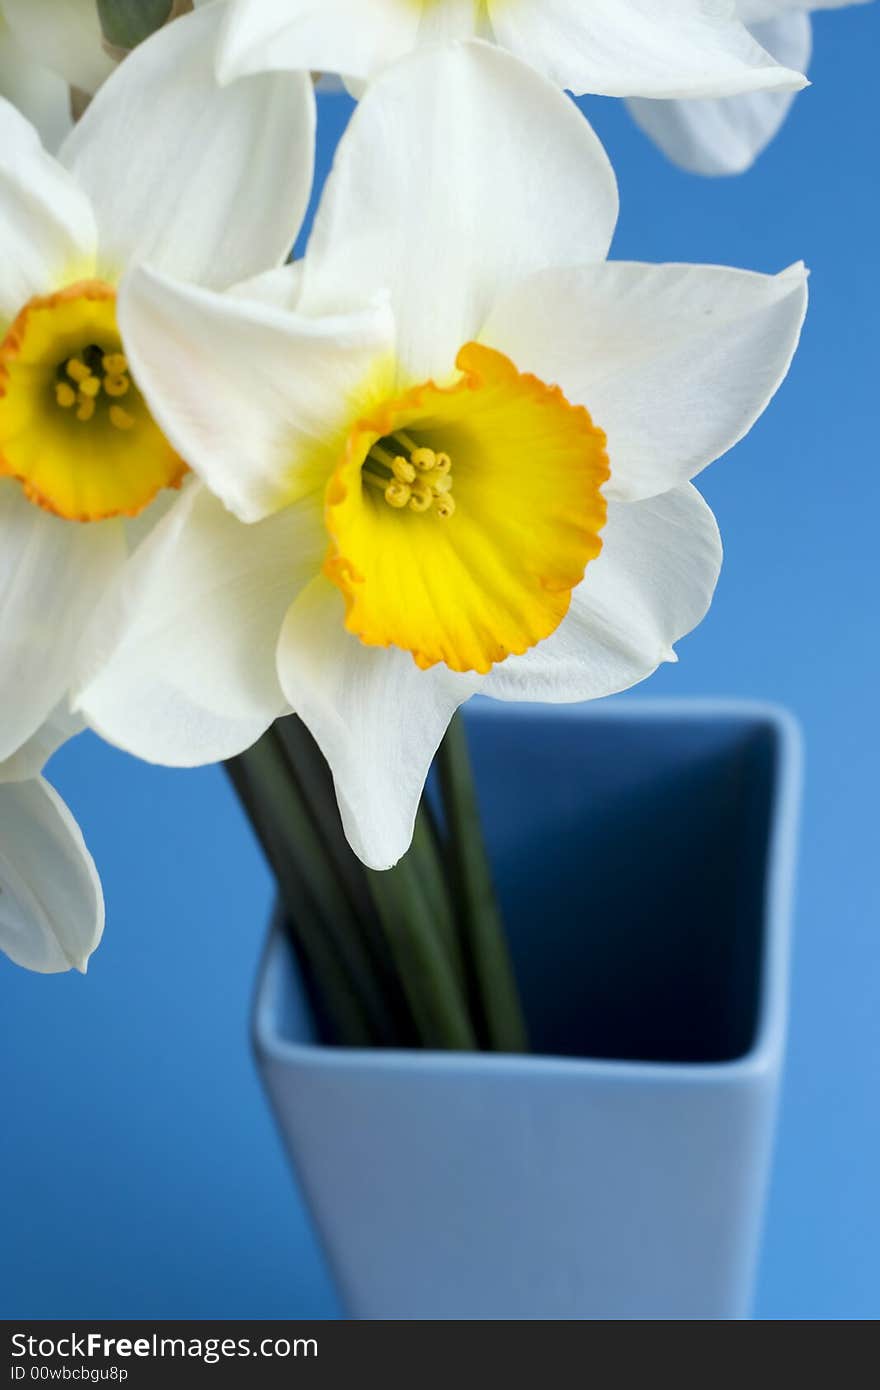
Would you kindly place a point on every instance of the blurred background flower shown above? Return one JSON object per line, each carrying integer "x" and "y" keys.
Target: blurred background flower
{"x": 725, "y": 136}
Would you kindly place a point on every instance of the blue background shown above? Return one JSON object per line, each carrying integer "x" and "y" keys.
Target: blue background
{"x": 141, "y": 1174}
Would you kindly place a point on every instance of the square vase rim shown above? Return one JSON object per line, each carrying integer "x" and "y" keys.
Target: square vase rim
{"x": 761, "y": 1058}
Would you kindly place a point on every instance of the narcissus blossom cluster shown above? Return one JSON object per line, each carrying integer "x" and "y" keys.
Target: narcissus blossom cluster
{"x": 450, "y": 450}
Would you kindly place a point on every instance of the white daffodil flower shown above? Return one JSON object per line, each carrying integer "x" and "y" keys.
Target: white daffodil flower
{"x": 51, "y": 903}
{"x": 620, "y": 48}
{"x": 726, "y": 136}
{"x": 461, "y": 442}
{"x": 206, "y": 183}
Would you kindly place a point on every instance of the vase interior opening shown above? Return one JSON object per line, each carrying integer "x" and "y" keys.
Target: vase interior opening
{"x": 630, "y": 855}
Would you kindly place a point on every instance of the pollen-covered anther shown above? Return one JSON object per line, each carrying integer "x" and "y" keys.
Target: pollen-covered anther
{"x": 77, "y": 370}
{"x": 423, "y": 459}
{"x": 116, "y": 385}
{"x": 418, "y": 483}
{"x": 421, "y": 499}
{"x": 403, "y": 471}
{"x": 398, "y": 494}
{"x": 65, "y": 395}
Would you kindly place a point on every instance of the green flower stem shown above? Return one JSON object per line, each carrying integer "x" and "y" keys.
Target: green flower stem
{"x": 482, "y": 929}
{"x": 338, "y": 998}
{"x": 435, "y": 995}
{"x": 428, "y": 857}
{"x": 314, "y": 779}
{"x": 291, "y": 837}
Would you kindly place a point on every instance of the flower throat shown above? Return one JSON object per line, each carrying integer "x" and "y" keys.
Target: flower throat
{"x": 410, "y": 475}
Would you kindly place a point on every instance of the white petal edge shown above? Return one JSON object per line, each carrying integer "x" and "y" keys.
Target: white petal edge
{"x": 652, "y": 583}
{"x": 427, "y": 197}
{"x": 30, "y": 759}
{"x": 178, "y": 666}
{"x": 176, "y": 165}
{"x": 651, "y": 48}
{"x": 376, "y": 717}
{"x": 255, "y": 398}
{"x": 674, "y": 362}
{"x": 47, "y": 227}
{"x": 51, "y": 903}
{"x": 52, "y": 575}
{"x": 723, "y": 137}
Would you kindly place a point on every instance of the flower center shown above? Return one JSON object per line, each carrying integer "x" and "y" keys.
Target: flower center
{"x": 74, "y": 428}
{"x": 496, "y": 576}
{"x": 417, "y": 478}
{"x": 92, "y": 381}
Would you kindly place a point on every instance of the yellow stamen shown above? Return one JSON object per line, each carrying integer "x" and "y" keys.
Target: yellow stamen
{"x": 381, "y": 455}
{"x": 121, "y": 418}
{"x": 374, "y": 479}
{"x": 404, "y": 441}
{"x": 85, "y": 409}
{"x": 114, "y": 363}
{"x": 398, "y": 494}
{"x": 444, "y": 507}
{"x": 442, "y": 463}
{"x": 403, "y": 471}
{"x": 65, "y": 395}
{"x": 424, "y": 459}
{"x": 421, "y": 498}
{"x": 77, "y": 371}
{"x": 116, "y": 385}
{"x": 90, "y": 387}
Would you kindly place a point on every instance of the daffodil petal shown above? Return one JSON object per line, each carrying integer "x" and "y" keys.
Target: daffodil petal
{"x": 433, "y": 204}
{"x": 178, "y": 665}
{"x": 40, "y": 95}
{"x": 340, "y": 36}
{"x": 652, "y": 584}
{"x": 377, "y": 719}
{"x": 30, "y": 759}
{"x": 65, "y": 37}
{"x": 51, "y": 903}
{"x": 176, "y": 165}
{"x": 725, "y": 136}
{"x": 47, "y": 227}
{"x": 655, "y": 48}
{"x": 675, "y": 363}
{"x": 254, "y": 397}
{"x": 280, "y": 287}
{"x": 52, "y": 573}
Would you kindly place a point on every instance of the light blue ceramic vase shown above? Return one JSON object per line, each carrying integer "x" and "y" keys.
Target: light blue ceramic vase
{"x": 644, "y": 857}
